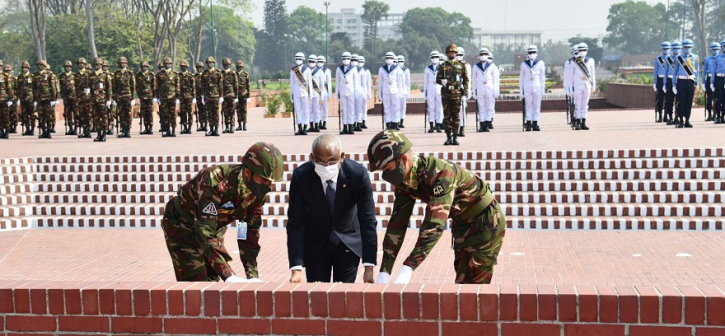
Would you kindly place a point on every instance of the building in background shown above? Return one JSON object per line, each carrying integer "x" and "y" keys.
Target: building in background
{"x": 518, "y": 39}
{"x": 350, "y": 22}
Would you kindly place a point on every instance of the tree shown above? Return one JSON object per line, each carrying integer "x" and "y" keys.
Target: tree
{"x": 306, "y": 29}
{"x": 342, "y": 37}
{"x": 235, "y": 35}
{"x": 595, "y": 50}
{"x": 373, "y": 12}
{"x": 36, "y": 10}
{"x": 91, "y": 31}
{"x": 275, "y": 36}
{"x": 636, "y": 27}
{"x": 699, "y": 9}
{"x": 555, "y": 52}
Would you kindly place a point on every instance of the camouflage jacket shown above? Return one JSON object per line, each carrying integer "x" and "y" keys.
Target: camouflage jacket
{"x": 211, "y": 83}
{"x": 45, "y": 86}
{"x": 145, "y": 84}
{"x": 243, "y": 84}
{"x": 83, "y": 85}
{"x": 24, "y": 87}
{"x": 124, "y": 84}
{"x": 457, "y": 75}
{"x": 167, "y": 85}
{"x": 101, "y": 87}
{"x": 67, "y": 83}
{"x": 214, "y": 198}
{"x": 448, "y": 190}
{"x": 7, "y": 87}
{"x": 198, "y": 89}
{"x": 231, "y": 83}
{"x": 187, "y": 84}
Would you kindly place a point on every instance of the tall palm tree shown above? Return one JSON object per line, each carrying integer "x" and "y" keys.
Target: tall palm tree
{"x": 373, "y": 12}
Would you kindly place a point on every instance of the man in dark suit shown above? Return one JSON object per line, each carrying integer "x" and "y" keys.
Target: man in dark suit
{"x": 332, "y": 222}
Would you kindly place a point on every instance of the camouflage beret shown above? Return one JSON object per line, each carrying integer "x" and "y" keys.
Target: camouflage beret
{"x": 161, "y": 65}
{"x": 42, "y": 62}
{"x": 105, "y": 63}
{"x": 122, "y": 60}
{"x": 145, "y": 64}
{"x": 199, "y": 64}
{"x": 167, "y": 60}
{"x": 97, "y": 61}
{"x": 451, "y": 48}
{"x": 385, "y": 147}
{"x": 81, "y": 61}
{"x": 25, "y": 65}
{"x": 184, "y": 63}
{"x": 210, "y": 60}
{"x": 227, "y": 61}
{"x": 8, "y": 67}
{"x": 265, "y": 160}
{"x": 67, "y": 63}
{"x": 240, "y": 63}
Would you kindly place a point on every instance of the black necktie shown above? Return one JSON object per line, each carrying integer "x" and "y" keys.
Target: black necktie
{"x": 330, "y": 196}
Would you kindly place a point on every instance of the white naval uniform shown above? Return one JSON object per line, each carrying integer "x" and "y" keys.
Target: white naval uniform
{"x": 583, "y": 86}
{"x": 462, "y": 114}
{"x": 388, "y": 90}
{"x": 485, "y": 79}
{"x": 326, "y": 93}
{"x": 532, "y": 83}
{"x": 363, "y": 94}
{"x": 346, "y": 87}
{"x": 404, "y": 83}
{"x": 301, "y": 93}
{"x": 316, "y": 99}
{"x": 433, "y": 94}
{"x": 567, "y": 81}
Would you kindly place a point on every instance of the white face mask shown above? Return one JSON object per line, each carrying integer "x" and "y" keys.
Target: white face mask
{"x": 346, "y": 61}
{"x": 361, "y": 64}
{"x": 459, "y": 57}
{"x": 388, "y": 61}
{"x": 327, "y": 173}
{"x": 665, "y": 51}
{"x": 582, "y": 54}
{"x": 311, "y": 64}
{"x": 676, "y": 51}
{"x": 483, "y": 58}
{"x": 489, "y": 60}
{"x": 298, "y": 62}
{"x": 354, "y": 63}
{"x": 533, "y": 56}
{"x": 434, "y": 60}
{"x": 320, "y": 64}
{"x": 714, "y": 52}
{"x": 401, "y": 63}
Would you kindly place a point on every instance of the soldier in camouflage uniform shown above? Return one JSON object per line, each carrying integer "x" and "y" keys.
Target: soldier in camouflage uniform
{"x": 102, "y": 92}
{"x": 230, "y": 89}
{"x": 168, "y": 92}
{"x": 449, "y": 191}
{"x": 188, "y": 97}
{"x": 453, "y": 78}
{"x": 24, "y": 92}
{"x": 7, "y": 100}
{"x": 195, "y": 220}
{"x": 84, "y": 97}
{"x": 66, "y": 81}
{"x": 200, "y": 111}
{"x": 45, "y": 95}
{"x": 243, "y": 96}
{"x": 124, "y": 85}
{"x": 211, "y": 85}
{"x": 145, "y": 88}
{"x": 13, "y": 108}
{"x": 111, "y": 110}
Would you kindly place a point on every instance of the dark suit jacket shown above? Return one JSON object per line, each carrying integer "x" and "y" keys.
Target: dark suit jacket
{"x": 310, "y": 222}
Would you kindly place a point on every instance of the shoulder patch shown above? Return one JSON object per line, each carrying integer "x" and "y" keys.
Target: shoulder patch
{"x": 440, "y": 187}
{"x": 210, "y": 209}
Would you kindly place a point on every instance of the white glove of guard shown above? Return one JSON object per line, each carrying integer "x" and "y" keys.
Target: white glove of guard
{"x": 52, "y": 103}
{"x": 674, "y": 90}
{"x": 133, "y": 102}
{"x": 654, "y": 87}
{"x": 444, "y": 82}
{"x": 35, "y": 104}
{"x": 712, "y": 88}
{"x": 108, "y": 104}
{"x": 404, "y": 275}
{"x": 246, "y": 100}
{"x": 254, "y": 280}
{"x": 155, "y": 101}
{"x": 234, "y": 278}
{"x": 193, "y": 101}
{"x": 221, "y": 100}
{"x": 114, "y": 103}
{"x": 202, "y": 101}
{"x": 18, "y": 102}
{"x": 177, "y": 102}
{"x": 383, "y": 278}
{"x": 664, "y": 89}
{"x": 10, "y": 103}
{"x": 236, "y": 100}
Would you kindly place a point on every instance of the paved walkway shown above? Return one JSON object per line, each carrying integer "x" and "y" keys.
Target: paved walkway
{"x": 528, "y": 257}
{"x": 609, "y": 130}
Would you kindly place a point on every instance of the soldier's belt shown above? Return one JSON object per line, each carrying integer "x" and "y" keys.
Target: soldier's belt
{"x": 720, "y": 75}
{"x": 477, "y": 209}
{"x": 661, "y": 76}
{"x": 686, "y": 77}
{"x": 669, "y": 76}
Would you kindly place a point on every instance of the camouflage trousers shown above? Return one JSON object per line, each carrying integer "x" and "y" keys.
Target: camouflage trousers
{"x": 200, "y": 111}
{"x": 167, "y": 111}
{"x": 70, "y": 112}
{"x": 100, "y": 116}
{"x": 212, "y": 111}
{"x": 242, "y": 110}
{"x": 13, "y": 115}
{"x": 123, "y": 107}
{"x": 451, "y": 113}
{"x": 147, "y": 111}
{"x": 85, "y": 114}
{"x": 27, "y": 113}
{"x": 5, "y": 114}
{"x": 46, "y": 114}
{"x": 112, "y": 117}
{"x": 187, "y": 257}
{"x": 185, "y": 111}
{"x": 476, "y": 245}
{"x": 228, "y": 110}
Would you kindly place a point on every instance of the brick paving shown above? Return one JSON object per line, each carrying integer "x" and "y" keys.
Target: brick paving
{"x": 545, "y": 257}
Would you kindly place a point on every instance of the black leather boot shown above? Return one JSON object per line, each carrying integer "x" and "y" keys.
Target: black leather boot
{"x": 323, "y": 125}
{"x": 400, "y": 124}
{"x": 528, "y": 125}
{"x": 439, "y": 127}
{"x": 3, "y": 133}
{"x": 460, "y": 132}
{"x": 490, "y": 124}
{"x": 536, "y": 126}
{"x": 13, "y": 129}
{"x": 357, "y": 127}
{"x": 351, "y": 129}
{"x": 448, "y": 139}
{"x": 101, "y": 137}
{"x": 454, "y": 142}
{"x": 485, "y": 126}
{"x": 363, "y": 126}
{"x": 432, "y": 127}
{"x": 239, "y": 125}
{"x": 584, "y": 125}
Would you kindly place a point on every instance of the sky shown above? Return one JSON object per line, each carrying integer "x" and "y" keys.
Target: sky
{"x": 555, "y": 19}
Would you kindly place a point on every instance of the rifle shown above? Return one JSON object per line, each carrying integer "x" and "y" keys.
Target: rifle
{"x": 65, "y": 116}
{"x": 657, "y": 94}
{"x": 140, "y": 119}
{"x": 294, "y": 119}
{"x": 425, "y": 113}
{"x": 196, "y": 113}
{"x": 382, "y": 109}
{"x": 706, "y": 96}
{"x": 339, "y": 115}
{"x": 477, "y": 121}
{"x": 523, "y": 113}
{"x": 568, "y": 110}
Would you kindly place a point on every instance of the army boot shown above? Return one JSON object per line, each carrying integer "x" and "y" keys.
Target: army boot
{"x": 536, "y": 126}
{"x": 687, "y": 123}
{"x": 363, "y": 126}
{"x": 3, "y": 134}
{"x": 460, "y": 132}
{"x": 400, "y": 124}
{"x": 432, "y": 127}
{"x": 454, "y": 142}
{"x": 439, "y": 127}
{"x": 244, "y": 126}
{"x": 324, "y": 125}
{"x": 583, "y": 125}
{"x": 485, "y": 126}
{"x": 215, "y": 130}
{"x": 312, "y": 127}
{"x": 239, "y": 125}
{"x": 528, "y": 125}
{"x": 344, "y": 130}
{"x": 357, "y": 127}
{"x": 13, "y": 129}
{"x": 304, "y": 129}
{"x": 490, "y": 124}
{"x": 101, "y": 137}
{"x": 448, "y": 139}
{"x": 351, "y": 129}
{"x": 299, "y": 130}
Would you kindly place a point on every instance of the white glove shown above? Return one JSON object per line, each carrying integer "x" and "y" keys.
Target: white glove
{"x": 674, "y": 90}
{"x": 236, "y": 100}
{"x": 464, "y": 99}
{"x": 155, "y": 101}
{"x": 114, "y": 103}
{"x": 712, "y": 88}
{"x": 654, "y": 87}
{"x": 254, "y": 280}
{"x": 35, "y": 104}
{"x": 221, "y": 100}
{"x": 246, "y": 100}
{"x": 52, "y": 103}
{"x": 10, "y": 103}
{"x": 444, "y": 81}
{"x": 133, "y": 102}
{"x": 177, "y": 102}
{"x": 383, "y": 278}
{"x": 234, "y": 278}
{"x": 17, "y": 102}
{"x": 202, "y": 101}
{"x": 404, "y": 275}
{"x": 193, "y": 101}
{"x": 108, "y": 104}
{"x": 664, "y": 89}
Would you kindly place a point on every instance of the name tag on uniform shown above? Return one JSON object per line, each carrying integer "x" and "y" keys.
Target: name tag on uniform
{"x": 100, "y": 85}
{"x": 241, "y": 230}
{"x": 87, "y": 91}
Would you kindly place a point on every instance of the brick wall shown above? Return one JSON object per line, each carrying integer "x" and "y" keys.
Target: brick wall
{"x": 358, "y": 309}
{"x": 631, "y": 95}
